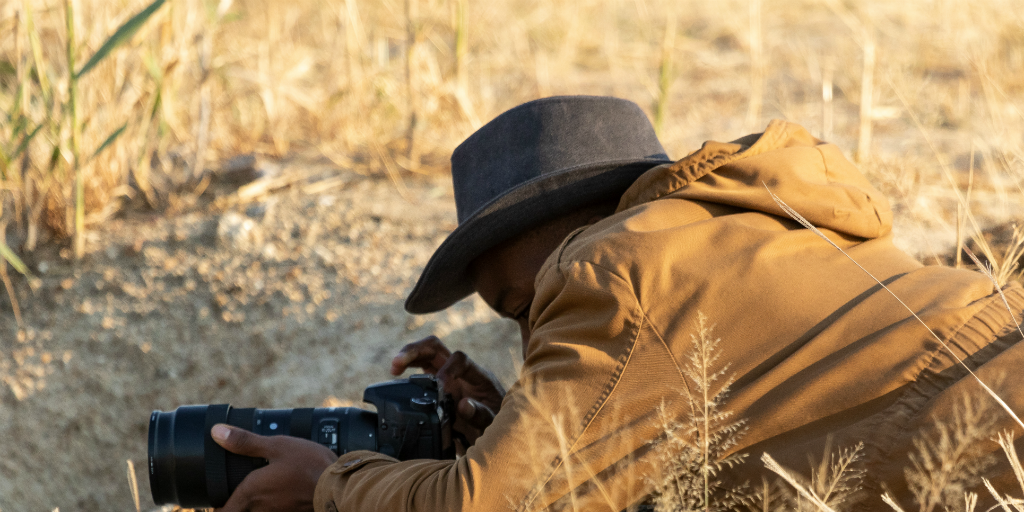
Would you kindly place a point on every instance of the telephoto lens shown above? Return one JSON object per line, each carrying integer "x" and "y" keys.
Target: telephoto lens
{"x": 188, "y": 468}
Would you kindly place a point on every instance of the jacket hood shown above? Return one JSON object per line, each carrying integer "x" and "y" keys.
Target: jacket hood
{"x": 812, "y": 177}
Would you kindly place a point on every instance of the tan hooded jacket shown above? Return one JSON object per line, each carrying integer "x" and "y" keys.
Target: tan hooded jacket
{"x": 815, "y": 346}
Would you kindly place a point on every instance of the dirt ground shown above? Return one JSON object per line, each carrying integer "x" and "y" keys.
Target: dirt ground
{"x": 288, "y": 301}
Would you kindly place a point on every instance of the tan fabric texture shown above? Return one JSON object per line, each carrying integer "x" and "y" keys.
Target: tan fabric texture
{"x": 815, "y": 345}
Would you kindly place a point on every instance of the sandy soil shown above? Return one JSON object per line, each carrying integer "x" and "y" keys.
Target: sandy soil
{"x": 288, "y": 301}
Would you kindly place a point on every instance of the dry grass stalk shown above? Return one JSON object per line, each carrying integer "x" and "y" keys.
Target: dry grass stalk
{"x": 951, "y": 459}
{"x": 834, "y": 483}
{"x": 970, "y": 501}
{"x": 987, "y": 270}
{"x": 411, "y": 83}
{"x": 665, "y": 69}
{"x": 393, "y": 174}
{"x": 1002, "y": 270}
{"x": 958, "y": 262}
{"x": 947, "y": 172}
{"x": 697, "y": 448}
{"x": 461, "y": 44}
{"x": 888, "y": 500}
{"x": 563, "y": 451}
{"x": 866, "y": 39}
{"x": 961, "y": 209}
{"x": 76, "y": 131}
{"x": 559, "y": 449}
{"x": 133, "y": 484}
{"x": 6, "y": 280}
{"x": 770, "y": 496}
{"x": 1005, "y": 439}
{"x": 827, "y": 109}
{"x": 354, "y": 35}
{"x": 838, "y": 477}
{"x": 757, "y": 67}
{"x": 1005, "y": 502}
{"x": 792, "y": 480}
{"x": 867, "y": 86}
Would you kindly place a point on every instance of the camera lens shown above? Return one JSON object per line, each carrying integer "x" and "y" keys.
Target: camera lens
{"x": 188, "y": 468}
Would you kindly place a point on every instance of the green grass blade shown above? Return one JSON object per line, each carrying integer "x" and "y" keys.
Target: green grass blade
{"x": 37, "y": 53}
{"x": 110, "y": 140}
{"x": 153, "y": 67}
{"x": 7, "y": 254}
{"x": 25, "y": 142}
{"x": 55, "y": 158}
{"x": 6, "y": 159}
{"x": 5, "y": 162}
{"x": 17, "y": 120}
{"x": 123, "y": 33}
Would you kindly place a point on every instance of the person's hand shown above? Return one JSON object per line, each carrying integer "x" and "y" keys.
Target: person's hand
{"x": 287, "y": 483}
{"x": 476, "y": 391}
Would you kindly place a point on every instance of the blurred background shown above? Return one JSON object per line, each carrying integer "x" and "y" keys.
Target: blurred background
{"x": 198, "y": 198}
{"x": 396, "y": 84}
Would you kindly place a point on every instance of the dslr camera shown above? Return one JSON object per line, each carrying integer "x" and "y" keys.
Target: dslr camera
{"x": 188, "y": 468}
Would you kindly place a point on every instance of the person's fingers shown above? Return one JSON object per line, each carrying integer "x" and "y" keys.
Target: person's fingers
{"x": 463, "y": 378}
{"x": 404, "y": 358}
{"x": 241, "y": 499}
{"x": 288, "y": 482}
{"x": 428, "y": 354}
{"x": 460, "y": 367}
{"x": 475, "y": 413}
{"x": 454, "y": 366}
{"x": 242, "y": 442}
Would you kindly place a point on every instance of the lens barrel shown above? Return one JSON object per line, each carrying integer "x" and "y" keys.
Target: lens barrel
{"x": 188, "y": 468}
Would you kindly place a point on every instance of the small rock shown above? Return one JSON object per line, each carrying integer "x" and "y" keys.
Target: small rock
{"x": 240, "y": 170}
{"x": 239, "y": 232}
{"x": 256, "y": 211}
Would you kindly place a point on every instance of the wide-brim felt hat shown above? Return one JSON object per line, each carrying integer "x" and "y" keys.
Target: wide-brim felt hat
{"x": 531, "y": 164}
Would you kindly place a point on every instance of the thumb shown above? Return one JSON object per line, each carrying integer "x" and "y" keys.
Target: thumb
{"x": 475, "y": 413}
{"x": 240, "y": 441}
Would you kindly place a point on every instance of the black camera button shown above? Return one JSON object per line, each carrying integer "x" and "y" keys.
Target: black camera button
{"x": 423, "y": 404}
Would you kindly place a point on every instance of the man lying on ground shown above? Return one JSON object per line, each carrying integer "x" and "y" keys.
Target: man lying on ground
{"x": 575, "y": 224}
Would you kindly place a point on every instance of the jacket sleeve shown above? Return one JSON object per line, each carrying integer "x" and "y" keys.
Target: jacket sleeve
{"x": 571, "y": 433}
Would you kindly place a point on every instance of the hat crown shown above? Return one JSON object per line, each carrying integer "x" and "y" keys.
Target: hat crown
{"x": 545, "y": 137}
{"x": 542, "y": 159}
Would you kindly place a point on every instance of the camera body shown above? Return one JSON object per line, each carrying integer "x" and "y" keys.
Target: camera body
{"x": 413, "y": 418}
{"x": 188, "y": 468}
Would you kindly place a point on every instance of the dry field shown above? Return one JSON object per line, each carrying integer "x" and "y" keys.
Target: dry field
{"x": 143, "y": 265}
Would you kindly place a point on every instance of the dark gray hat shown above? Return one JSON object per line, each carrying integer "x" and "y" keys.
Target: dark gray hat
{"x": 533, "y": 163}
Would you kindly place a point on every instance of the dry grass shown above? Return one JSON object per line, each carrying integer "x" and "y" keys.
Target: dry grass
{"x": 697, "y": 449}
{"x": 405, "y": 80}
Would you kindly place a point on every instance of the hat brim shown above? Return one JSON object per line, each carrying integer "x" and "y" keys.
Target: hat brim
{"x": 445, "y": 280}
